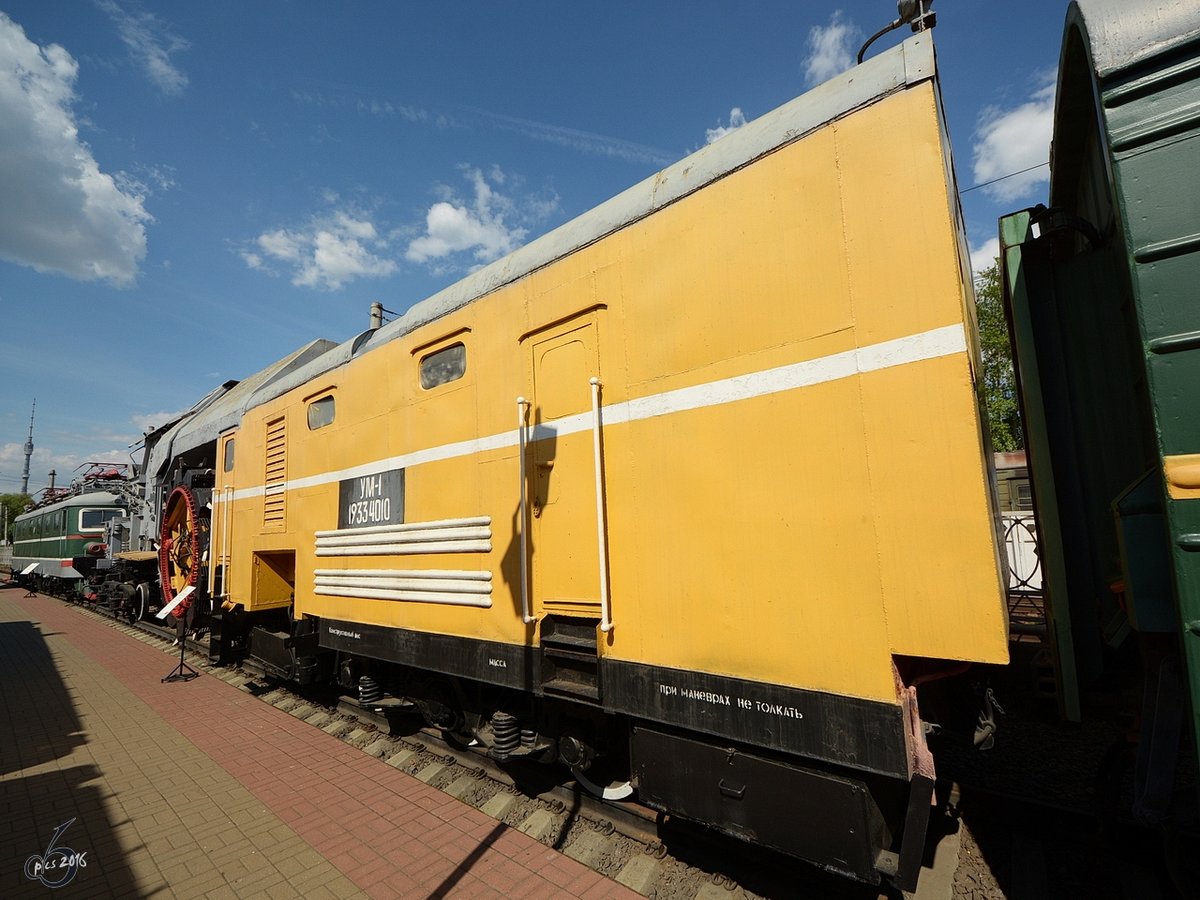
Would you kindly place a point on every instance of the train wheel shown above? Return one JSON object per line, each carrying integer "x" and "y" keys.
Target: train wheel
{"x": 179, "y": 559}
{"x": 140, "y": 603}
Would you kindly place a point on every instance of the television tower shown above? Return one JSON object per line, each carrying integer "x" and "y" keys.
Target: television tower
{"x": 28, "y": 451}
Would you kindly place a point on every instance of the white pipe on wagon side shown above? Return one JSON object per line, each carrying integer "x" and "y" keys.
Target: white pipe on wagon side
{"x": 601, "y": 537}
{"x": 523, "y": 521}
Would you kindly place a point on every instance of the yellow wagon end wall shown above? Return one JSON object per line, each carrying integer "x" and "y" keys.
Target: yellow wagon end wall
{"x": 804, "y": 536}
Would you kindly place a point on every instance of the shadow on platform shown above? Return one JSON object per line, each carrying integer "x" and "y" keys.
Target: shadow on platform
{"x": 40, "y": 793}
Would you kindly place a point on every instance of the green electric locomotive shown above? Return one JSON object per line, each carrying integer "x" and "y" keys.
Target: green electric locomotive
{"x": 49, "y": 540}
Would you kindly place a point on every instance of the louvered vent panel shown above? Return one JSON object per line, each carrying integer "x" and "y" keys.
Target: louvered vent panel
{"x": 274, "y": 500}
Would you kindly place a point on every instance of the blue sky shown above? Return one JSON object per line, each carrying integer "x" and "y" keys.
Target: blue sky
{"x": 190, "y": 191}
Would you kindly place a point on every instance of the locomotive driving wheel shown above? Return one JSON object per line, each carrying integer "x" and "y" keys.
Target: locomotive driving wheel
{"x": 179, "y": 551}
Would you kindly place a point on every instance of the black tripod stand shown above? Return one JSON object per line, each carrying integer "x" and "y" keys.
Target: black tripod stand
{"x": 182, "y": 672}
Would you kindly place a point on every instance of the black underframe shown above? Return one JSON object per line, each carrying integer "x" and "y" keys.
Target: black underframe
{"x": 847, "y": 731}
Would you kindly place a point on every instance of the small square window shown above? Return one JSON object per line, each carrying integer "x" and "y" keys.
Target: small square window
{"x": 1024, "y": 495}
{"x": 320, "y": 413}
{"x": 443, "y": 366}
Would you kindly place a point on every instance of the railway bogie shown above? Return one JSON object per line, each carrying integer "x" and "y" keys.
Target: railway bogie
{"x": 126, "y": 584}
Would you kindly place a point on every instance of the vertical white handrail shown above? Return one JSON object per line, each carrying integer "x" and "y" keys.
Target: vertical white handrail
{"x": 523, "y": 519}
{"x": 601, "y": 536}
{"x": 226, "y": 522}
{"x": 217, "y": 507}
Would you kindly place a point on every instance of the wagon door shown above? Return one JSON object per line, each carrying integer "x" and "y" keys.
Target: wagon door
{"x": 564, "y": 559}
{"x": 221, "y": 535}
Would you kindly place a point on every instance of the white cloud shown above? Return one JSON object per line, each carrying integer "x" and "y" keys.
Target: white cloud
{"x": 60, "y": 213}
{"x": 984, "y": 256}
{"x": 355, "y": 228}
{"x": 385, "y": 109}
{"x": 66, "y": 465}
{"x": 150, "y": 43}
{"x": 339, "y": 254}
{"x": 330, "y": 96}
{"x": 150, "y": 421}
{"x": 830, "y": 49}
{"x": 281, "y": 244}
{"x": 1011, "y": 140}
{"x": 573, "y": 138}
{"x": 736, "y": 121}
{"x": 67, "y": 452}
{"x": 326, "y": 252}
{"x": 454, "y": 226}
{"x": 163, "y": 177}
{"x": 334, "y": 248}
{"x": 12, "y": 458}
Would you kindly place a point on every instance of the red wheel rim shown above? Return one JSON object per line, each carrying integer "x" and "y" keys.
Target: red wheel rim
{"x": 179, "y": 546}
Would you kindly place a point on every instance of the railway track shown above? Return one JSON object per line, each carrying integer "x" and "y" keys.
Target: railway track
{"x": 656, "y": 856}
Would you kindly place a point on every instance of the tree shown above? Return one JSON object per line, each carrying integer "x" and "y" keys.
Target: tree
{"x": 999, "y": 381}
{"x": 15, "y": 504}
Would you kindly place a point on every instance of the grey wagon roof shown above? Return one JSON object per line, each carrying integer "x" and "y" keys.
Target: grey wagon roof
{"x": 204, "y": 424}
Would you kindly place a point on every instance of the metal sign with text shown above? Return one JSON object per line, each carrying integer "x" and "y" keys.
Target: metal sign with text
{"x": 369, "y": 500}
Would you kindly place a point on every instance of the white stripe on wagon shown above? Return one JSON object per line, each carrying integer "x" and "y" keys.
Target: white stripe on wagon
{"x": 471, "y": 535}
{"x": 934, "y": 344}
{"x": 445, "y": 586}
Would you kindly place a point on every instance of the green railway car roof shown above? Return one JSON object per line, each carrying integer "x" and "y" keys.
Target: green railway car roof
{"x": 94, "y": 498}
{"x": 1123, "y": 33}
{"x": 1101, "y": 40}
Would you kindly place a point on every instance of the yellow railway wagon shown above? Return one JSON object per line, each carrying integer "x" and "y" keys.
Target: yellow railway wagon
{"x": 689, "y": 493}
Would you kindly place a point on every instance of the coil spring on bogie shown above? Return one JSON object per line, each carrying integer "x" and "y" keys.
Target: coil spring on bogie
{"x": 506, "y": 733}
{"x": 369, "y": 690}
{"x": 528, "y": 736}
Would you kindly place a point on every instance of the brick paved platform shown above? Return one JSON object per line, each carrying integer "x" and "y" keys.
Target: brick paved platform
{"x": 200, "y": 790}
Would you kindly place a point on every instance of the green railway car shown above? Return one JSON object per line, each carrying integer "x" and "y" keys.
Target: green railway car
{"x": 48, "y": 540}
{"x": 1100, "y": 289}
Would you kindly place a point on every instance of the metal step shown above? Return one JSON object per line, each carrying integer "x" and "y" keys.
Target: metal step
{"x": 570, "y": 667}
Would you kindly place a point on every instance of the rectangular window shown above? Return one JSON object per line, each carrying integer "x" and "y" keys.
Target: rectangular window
{"x": 320, "y": 413}
{"x": 229, "y": 455}
{"x": 443, "y": 366}
{"x": 90, "y": 519}
{"x": 1024, "y": 498}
